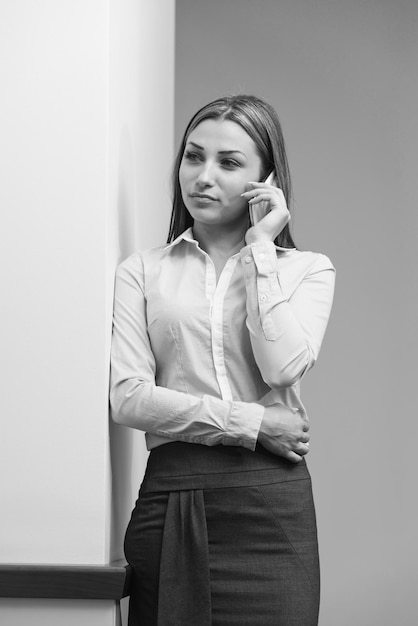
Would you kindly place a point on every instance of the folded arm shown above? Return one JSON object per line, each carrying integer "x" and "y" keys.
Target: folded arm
{"x": 137, "y": 401}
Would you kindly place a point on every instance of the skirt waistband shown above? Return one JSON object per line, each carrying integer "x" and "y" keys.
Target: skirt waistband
{"x": 181, "y": 466}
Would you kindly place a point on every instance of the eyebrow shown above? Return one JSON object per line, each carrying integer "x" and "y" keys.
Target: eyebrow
{"x": 196, "y": 145}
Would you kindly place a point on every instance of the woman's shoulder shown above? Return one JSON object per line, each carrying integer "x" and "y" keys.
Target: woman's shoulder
{"x": 304, "y": 259}
{"x": 294, "y": 267}
{"x": 133, "y": 264}
{"x": 143, "y": 256}
{"x": 143, "y": 263}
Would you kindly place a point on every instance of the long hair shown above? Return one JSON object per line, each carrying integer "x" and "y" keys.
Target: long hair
{"x": 261, "y": 123}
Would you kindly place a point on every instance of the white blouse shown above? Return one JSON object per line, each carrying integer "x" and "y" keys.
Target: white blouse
{"x": 194, "y": 360}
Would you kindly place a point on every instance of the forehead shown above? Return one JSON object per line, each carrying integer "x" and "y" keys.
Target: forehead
{"x": 222, "y": 135}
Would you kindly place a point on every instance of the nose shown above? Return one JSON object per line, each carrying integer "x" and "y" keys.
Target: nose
{"x": 205, "y": 177}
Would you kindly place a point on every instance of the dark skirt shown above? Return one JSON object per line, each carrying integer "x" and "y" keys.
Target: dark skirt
{"x": 223, "y": 536}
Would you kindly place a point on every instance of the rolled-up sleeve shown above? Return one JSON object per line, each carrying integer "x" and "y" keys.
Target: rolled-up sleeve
{"x": 286, "y": 326}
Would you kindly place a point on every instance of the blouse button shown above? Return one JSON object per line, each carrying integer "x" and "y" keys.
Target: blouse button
{"x": 248, "y": 259}
{"x": 263, "y": 298}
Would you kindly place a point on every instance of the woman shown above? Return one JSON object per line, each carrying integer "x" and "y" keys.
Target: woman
{"x": 212, "y": 335}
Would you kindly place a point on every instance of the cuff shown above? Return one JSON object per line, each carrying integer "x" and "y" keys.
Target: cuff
{"x": 244, "y": 425}
{"x": 264, "y": 292}
{"x": 260, "y": 255}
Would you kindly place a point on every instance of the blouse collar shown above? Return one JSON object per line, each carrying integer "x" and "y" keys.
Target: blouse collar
{"x": 187, "y": 235}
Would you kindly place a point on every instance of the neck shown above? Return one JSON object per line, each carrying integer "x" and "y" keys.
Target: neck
{"x": 220, "y": 241}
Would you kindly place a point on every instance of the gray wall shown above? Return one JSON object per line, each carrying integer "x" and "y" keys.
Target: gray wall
{"x": 342, "y": 75}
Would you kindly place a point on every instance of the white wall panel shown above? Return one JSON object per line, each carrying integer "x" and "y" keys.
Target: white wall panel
{"x": 86, "y": 130}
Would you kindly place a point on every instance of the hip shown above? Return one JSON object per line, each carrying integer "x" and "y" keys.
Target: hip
{"x": 183, "y": 466}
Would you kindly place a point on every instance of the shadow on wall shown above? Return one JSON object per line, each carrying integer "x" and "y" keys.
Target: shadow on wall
{"x": 121, "y": 455}
{"x": 120, "y": 438}
{"x": 126, "y": 196}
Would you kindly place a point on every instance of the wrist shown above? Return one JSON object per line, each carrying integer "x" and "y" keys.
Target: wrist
{"x": 251, "y": 237}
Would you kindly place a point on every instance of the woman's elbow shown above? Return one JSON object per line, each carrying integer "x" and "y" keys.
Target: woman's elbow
{"x": 120, "y": 405}
{"x": 290, "y": 373}
{"x": 116, "y": 409}
{"x": 281, "y": 379}
{"x": 128, "y": 401}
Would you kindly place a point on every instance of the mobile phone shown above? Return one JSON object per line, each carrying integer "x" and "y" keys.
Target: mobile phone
{"x": 260, "y": 210}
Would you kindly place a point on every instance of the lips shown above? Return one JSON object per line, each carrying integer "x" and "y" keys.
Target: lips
{"x": 202, "y": 196}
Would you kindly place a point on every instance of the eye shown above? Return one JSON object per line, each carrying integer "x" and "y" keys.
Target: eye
{"x": 230, "y": 164}
{"x": 192, "y": 157}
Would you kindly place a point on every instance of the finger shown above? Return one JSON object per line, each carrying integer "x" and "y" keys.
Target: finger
{"x": 275, "y": 191}
{"x": 253, "y": 193}
{"x": 294, "y": 457}
{"x": 302, "y": 449}
{"x": 257, "y": 187}
{"x": 260, "y": 198}
{"x": 265, "y": 185}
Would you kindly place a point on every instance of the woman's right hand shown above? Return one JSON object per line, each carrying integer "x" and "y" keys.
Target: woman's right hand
{"x": 284, "y": 433}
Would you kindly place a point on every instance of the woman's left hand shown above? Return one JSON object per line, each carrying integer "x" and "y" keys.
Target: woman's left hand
{"x": 278, "y": 214}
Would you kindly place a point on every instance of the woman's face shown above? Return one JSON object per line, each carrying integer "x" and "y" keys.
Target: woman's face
{"x": 219, "y": 160}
